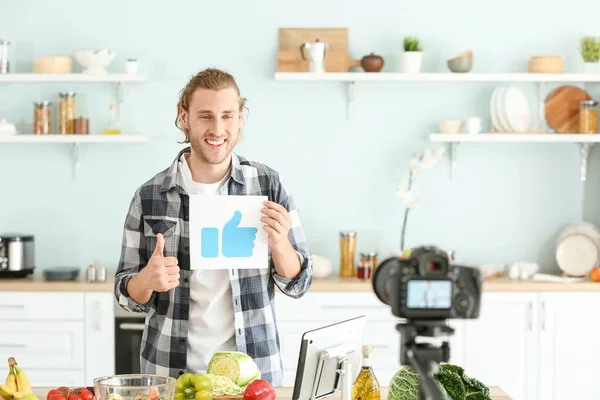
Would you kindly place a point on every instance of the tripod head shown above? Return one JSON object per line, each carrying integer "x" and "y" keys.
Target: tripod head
{"x": 424, "y": 358}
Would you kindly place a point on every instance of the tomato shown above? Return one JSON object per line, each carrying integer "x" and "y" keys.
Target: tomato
{"x": 52, "y": 393}
{"x": 58, "y": 396}
{"x": 595, "y": 274}
{"x": 74, "y": 396}
{"x": 86, "y": 395}
{"x": 64, "y": 390}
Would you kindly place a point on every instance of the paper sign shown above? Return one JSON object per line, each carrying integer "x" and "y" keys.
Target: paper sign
{"x": 226, "y": 232}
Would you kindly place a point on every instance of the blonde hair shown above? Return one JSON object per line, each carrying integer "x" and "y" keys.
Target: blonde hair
{"x": 212, "y": 79}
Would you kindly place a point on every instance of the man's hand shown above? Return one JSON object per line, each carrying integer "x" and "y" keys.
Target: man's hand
{"x": 160, "y": 275}
{"x": 277, "y": 225}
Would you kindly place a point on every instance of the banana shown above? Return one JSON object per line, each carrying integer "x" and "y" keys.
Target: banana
{"x": 16, "y": 396}
{"x": 11, "y": 380}
{"x": 5, "y": 392}
{"x": 23, "y": 385}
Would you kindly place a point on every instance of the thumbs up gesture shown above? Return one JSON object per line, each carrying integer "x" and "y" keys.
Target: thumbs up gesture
{"x": 162, "y": 273}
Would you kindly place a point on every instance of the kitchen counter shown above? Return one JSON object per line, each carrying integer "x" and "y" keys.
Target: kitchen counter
{"x": 332, "y": 284}
{"x": 285, "y": 393}
{"x": 38, "y": 284}
{"x": 336, "y": 284}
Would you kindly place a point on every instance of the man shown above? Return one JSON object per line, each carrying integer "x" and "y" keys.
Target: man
{"x": 192, "y": 314}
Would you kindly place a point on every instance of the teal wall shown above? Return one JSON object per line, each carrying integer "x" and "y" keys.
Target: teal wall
{"x": 506, "y": 203}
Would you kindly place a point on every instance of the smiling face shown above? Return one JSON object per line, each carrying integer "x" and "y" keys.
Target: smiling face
{"x": 213, "y": 123}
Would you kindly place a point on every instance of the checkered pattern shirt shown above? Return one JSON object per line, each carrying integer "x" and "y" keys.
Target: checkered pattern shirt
{"x": 161, "y": 206}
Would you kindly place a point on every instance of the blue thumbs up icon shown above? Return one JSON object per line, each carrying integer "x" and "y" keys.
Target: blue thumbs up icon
{"x": 236, "y": 241}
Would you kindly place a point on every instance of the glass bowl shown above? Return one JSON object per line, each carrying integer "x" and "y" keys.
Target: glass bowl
{"x": 134, "y": 387}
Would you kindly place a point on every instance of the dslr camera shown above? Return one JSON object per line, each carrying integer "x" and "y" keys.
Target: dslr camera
{"x": 426, "y": 286}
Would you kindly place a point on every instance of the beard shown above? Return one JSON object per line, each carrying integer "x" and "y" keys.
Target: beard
{"x": 208, "y": 155}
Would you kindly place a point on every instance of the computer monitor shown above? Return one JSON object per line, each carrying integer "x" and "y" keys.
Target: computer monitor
{"x": 329, "y": 360}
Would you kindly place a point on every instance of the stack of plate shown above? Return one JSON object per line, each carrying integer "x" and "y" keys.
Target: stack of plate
{"x": 509, "y": 110}
{"x": 578, "y": 249}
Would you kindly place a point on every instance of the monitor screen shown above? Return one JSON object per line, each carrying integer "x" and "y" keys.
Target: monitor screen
{"x": 429, "y": 294}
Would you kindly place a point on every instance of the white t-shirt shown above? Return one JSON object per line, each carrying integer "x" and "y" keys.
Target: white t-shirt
{"x": 211, "y": 320}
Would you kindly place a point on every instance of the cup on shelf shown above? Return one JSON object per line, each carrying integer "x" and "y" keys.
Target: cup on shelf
{"x": 473, "y": 125}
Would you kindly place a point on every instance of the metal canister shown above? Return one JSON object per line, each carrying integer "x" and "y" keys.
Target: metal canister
{"x": 4, "y": 62}
{"x": 66, "y": 113}
{"x": 42, "y": 118}
{"x": 100, "y": 274}
{"x": 91, "y": 273}
{"x": 347, "y": 254}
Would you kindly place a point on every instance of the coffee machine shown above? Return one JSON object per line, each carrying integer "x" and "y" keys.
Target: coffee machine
{"x": 316, "y": 53}
{"x": 17, "y": 255}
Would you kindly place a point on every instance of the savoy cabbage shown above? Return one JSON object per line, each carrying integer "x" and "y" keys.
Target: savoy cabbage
{"x": 453, "y": 380}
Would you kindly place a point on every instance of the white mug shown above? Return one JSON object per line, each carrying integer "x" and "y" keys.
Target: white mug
{"x": 473, "y": 125}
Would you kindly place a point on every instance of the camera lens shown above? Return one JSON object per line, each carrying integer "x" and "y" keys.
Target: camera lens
{"x": 383, "y": 278}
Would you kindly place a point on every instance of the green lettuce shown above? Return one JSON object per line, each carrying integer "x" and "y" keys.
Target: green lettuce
{"x": 237, "y": 366}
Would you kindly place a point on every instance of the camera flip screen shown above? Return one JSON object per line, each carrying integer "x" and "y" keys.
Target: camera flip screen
{"x": 435, "y": 294}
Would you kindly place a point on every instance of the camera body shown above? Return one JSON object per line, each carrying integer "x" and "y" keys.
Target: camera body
{"x": 426, "y": 286}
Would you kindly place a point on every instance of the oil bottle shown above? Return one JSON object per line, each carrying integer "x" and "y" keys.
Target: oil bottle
{"x": 366, "y": 386}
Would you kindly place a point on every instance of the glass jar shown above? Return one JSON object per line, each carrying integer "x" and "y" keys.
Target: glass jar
{"x": 588, "y": 116}
{"x": 42, "y": 118}
{"x": 347, "y": 254}
{"x": 66, "y": 113}
{"x": 366, "y": 265}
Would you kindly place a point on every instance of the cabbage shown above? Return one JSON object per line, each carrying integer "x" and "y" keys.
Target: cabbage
{"x": 223, "y": 386}
{"x": 452, "y": 379}
{"x": 237, "y": 366}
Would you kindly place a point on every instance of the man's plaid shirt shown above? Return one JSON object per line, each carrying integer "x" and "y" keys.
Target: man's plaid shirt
{"x": 161, "y": 206}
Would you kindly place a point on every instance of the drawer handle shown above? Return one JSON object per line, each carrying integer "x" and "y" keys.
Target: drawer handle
{"x": 126, "y": 326}
{"x": 12, "y": 305}
{"x": 379, "y": 346}
{"x": 13, "y": 346}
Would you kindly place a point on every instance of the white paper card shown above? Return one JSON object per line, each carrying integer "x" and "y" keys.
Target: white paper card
{"x": 226, "y": 232}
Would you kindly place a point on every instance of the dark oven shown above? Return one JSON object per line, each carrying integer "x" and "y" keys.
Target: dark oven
{"x": 128, "y": 339}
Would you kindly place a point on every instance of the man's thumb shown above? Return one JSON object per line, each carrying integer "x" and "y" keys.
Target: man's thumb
{"x": 160, "y": 245}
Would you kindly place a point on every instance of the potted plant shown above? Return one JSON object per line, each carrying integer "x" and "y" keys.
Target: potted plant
{"x": 412, "y": 56}
{"x": 590, "y": 51}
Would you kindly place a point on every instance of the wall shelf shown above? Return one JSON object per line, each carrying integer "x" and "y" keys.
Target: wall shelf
{"x": 75, "y": 141}
{"x": 448, "y": 77}
{"x": 585, "y": 142}
{"x": 40, "y": 78}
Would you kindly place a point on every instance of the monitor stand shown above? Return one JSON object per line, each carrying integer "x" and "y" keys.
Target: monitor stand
{"x": 343, "y": 368}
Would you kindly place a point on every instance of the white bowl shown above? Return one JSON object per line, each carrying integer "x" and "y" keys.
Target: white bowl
{"x": 451, "y": 126}
{"x": 95, "y": 61}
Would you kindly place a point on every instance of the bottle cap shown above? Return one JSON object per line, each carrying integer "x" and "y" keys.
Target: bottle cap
{"x": 366, "y": 350}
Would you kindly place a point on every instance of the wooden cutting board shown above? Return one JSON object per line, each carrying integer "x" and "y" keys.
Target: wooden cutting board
{"x": 562, "y": 108}
{"x": 289, "y": 58}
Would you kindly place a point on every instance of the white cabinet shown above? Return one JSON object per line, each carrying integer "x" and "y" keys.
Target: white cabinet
{"x": 535, "y": 345}
{"x": 500, "y": 347}
{"x": 59, "y": 338}
{"x": 569, "y": 356}
{"x": 318, "y": 309}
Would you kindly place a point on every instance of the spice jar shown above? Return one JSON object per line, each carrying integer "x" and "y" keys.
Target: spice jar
{"x": 588, "y": 116}
{"x": 42, "y": 118}
{"x": 366, "y": 265}
{"x": 81, "y": 126}
{"x": 347, "y": 254}
{"x": 66, "y": 113}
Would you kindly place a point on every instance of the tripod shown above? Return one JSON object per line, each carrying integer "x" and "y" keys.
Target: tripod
{"x": 424, "y": 358}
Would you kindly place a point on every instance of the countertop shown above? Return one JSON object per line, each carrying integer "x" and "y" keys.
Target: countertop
{"x": 285, "y": 393}
{"x": 332, "y": 284}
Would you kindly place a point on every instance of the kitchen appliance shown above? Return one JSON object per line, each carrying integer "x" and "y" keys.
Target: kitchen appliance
{"x": 316, "y": 53}
{"x": 129, "y": 329}
{"x": 17, "y": 255}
